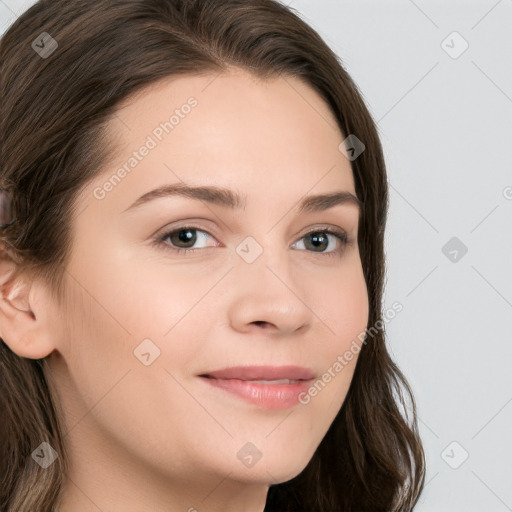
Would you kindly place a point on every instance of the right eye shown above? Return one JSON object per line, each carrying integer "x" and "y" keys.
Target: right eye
{"x": 186, "y": 236}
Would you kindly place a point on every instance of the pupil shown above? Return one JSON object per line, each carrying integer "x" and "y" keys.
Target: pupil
{"x": 186, "y": 235}
{"x": 317, "y": 239}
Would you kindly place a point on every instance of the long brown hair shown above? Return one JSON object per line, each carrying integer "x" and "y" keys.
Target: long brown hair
{"x": 54, "y": 114}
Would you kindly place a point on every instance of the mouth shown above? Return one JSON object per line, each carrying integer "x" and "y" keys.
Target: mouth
{"x": 260, "y": 381}
{"x": 264, "y": 374}
{"x": 266, "y": 387}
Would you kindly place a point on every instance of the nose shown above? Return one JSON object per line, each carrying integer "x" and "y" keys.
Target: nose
{"x": 268, "y": 298}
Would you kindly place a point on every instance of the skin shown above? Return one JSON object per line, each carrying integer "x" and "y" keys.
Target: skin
{"x": 157, "y": 437}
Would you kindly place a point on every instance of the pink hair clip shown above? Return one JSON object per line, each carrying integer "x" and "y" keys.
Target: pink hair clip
{"x": 7, "y": 209}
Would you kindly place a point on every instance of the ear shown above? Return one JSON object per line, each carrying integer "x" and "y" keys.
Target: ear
{"x": 25, "y": 323}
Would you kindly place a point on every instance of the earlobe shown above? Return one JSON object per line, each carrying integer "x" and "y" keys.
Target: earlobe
{"x": 24, "y": 330}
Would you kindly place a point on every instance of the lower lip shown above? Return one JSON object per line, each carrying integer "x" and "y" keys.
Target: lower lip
{"x": 269, "y": 396}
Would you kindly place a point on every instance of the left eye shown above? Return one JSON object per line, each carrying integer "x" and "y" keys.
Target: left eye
{"x": 189, "y": 235}
{"x": 320, "y": 237}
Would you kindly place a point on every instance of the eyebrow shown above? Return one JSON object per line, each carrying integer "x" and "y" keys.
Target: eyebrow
{"x": 230, "y": 199}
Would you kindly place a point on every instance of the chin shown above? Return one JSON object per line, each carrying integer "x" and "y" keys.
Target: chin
{"x": 270, "y": 473}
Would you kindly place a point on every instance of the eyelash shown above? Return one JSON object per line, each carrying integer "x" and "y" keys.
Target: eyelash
{"x": 340, "y": 235}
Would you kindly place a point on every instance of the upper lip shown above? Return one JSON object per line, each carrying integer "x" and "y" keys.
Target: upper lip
{"x": 262, "y": 373}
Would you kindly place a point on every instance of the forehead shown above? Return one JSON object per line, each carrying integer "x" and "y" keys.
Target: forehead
{"x": 232, "y": 130}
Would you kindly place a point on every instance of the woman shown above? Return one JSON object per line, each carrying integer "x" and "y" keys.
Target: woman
{"x": 192, "y": 267}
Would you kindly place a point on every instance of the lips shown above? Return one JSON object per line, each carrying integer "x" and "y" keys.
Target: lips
{"x": 269, "y": 387}
{"x": 267, "y": 373}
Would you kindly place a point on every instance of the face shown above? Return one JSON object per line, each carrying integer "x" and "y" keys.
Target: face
{"x": 182, "y": 285}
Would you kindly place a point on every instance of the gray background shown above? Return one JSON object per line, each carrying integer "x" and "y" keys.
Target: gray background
{"x": 445, "y": 119}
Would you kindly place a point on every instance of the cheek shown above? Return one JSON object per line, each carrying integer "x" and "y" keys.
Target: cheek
{"x": 344, "y": 316}
{"x": 344, "y": 307}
